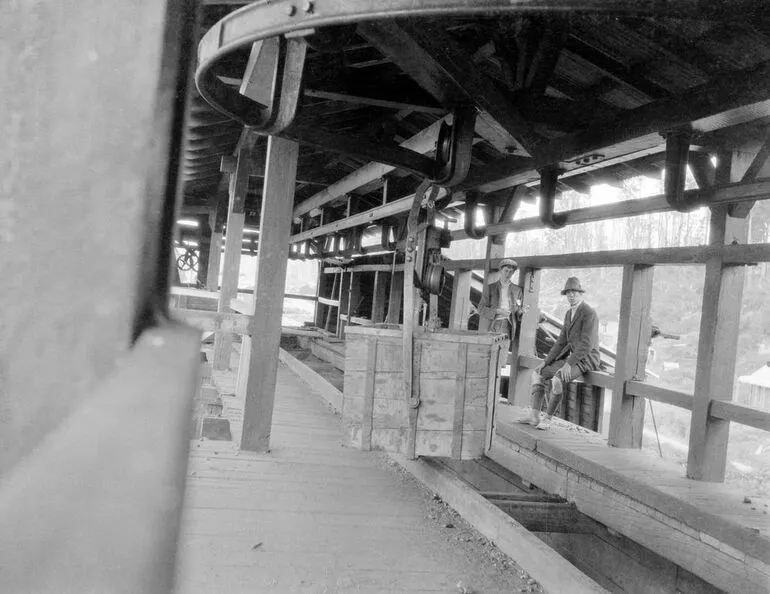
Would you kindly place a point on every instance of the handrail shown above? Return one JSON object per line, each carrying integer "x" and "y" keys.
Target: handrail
{"x": 659, "y": 394}
{"x": 745, "y": 415}
{"x": 117, "y": 467}
{"x": 718, "y": 409}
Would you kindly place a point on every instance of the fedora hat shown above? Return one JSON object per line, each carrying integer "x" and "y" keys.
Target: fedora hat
{"x": 508, "y": 262}
{"x": 572, "y": 284}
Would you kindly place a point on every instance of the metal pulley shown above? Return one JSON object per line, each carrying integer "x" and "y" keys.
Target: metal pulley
{"x": 434, "y": 279}
{"x": 453, "y": 147}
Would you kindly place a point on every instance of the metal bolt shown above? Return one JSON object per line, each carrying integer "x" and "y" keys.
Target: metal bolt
{"x": 291, "y": 10}
{"x": 308, "y": 6}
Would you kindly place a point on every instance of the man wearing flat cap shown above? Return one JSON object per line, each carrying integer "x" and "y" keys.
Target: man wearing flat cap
{"x": 500, "y": 309}
{"x": 575, "y": 352}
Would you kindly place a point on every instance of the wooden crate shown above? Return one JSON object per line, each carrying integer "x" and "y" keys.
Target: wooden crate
{"x": 455, "y": 377}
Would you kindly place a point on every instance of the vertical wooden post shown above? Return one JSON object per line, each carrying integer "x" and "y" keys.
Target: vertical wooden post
{"x": 344, "y": 299}
{"x": 718, "y": 338}
{"x": 627, "y": 414}
{"x": 717, "y": 344}
{"x": 215, "y": 260}
{"x": 355, "y": 294}
{"x": 459, "y": 310}
{"x": 395, "y": 298}
{"x": 322, "y": 288}
{"x": 520, "y": 380}
{"x": 380, "y": 294}
{"x": 204, "y": 250}
{"x": 272, "y": 258}
{"x": 493, "y": 251}
{"x": 333, "y": 310}
{"x": 223, "y": 341}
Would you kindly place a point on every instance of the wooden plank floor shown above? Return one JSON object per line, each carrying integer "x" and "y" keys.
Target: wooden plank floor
{"x": 714, "y": 508}
{"x": 316, "y": 516}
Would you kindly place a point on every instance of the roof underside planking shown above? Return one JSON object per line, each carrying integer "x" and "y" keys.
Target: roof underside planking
{"x": 591, "y": 93}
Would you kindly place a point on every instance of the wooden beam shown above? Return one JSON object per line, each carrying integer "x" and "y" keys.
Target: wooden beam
{"x": 460, "y": 307}
{"x": 627, "y": 416}
{"x": 329, "y": 302}
{"x": 260, "y": 357}
{"x": 728, "y": 100}
{"x": 346, "y": 98}
{"x": 256, "y": 167}
{"x": 223, "y": 341}
{"x": 212, "y": 321}
{"x": 754, "y": 165}
{"x": 730, "y": 254}
{"x": 422, "y": 142}
{"x": 395, "y": 296}
{"x": 436, "y": 63}
{"x": 370, "y": 216}
{"x": 630, "y": 76}
{"x": 554, "y": 517}
{"x": 215, "y": 261}
{"x": 738, "y": 95}
{"x": 713, "y": 196}
{"x": 717, "y": 344}
{"x": 520, "y": 378}
{"x": 745, "y": 415}
{"x": 379, "y": 296}
{"x": 550, "y": 569}
{"x": 659, "y": 394}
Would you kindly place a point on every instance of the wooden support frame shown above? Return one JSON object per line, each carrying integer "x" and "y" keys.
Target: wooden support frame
{"x": 379, "y": 296}
{"x": 433, "y": 60}
{"x": 520, "y": 378}
{"x": 259, "y": 358}
{"x": 236, "y": 218}
{"x": 460, "y": 307}
{"x": 627, "y": 415}
{"x": 215, "y": 261}
{"x": 715, "y": 369}
{"x": 395, "y": 296}
{"x": 423, "y": 142}
{"x": 740, "y": 254}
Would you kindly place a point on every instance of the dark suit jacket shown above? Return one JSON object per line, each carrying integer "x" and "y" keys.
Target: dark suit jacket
{"x": 578, "y": 341}
{"x": 488, "y": 305}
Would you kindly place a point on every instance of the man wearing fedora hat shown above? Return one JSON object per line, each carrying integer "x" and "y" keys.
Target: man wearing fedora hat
{"x": 575, "y": 352}
{"x": 500, "y": 309}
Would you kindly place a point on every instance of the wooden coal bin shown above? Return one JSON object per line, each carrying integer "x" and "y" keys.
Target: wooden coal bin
{"x": 455, "y": 377}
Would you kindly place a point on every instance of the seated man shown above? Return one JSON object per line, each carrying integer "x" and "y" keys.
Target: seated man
{"x": 575, "y": 352}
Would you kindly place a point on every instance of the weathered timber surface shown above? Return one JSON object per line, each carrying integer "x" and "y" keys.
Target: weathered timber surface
{"x": 315, "y": 516}
{"x": 454, "y": 377}
{"x": 702, "y": 527}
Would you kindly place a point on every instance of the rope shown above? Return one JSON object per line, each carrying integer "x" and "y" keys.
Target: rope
{"x": 655, "y": 425}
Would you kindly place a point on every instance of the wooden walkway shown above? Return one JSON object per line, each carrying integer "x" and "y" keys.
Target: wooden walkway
{"x": 316, "y": 516}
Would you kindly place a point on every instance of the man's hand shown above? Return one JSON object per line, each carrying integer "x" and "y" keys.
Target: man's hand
{"x": 565, "y": 373}
{"x": 539, "y": 368}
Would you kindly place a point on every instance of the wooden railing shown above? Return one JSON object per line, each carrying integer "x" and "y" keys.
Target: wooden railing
{"x": 711, "y": 405}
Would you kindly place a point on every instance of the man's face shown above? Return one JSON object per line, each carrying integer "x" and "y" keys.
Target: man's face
{"x": 506, "y": 272}
{"x": 574, "y": 297}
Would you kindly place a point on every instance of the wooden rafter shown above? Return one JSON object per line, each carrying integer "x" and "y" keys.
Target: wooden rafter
{"x": 423, "y": 142}
{"x": 435, "y": 61}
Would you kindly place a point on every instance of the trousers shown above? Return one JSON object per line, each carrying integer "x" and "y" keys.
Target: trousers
{"x": 542, "y": 383}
